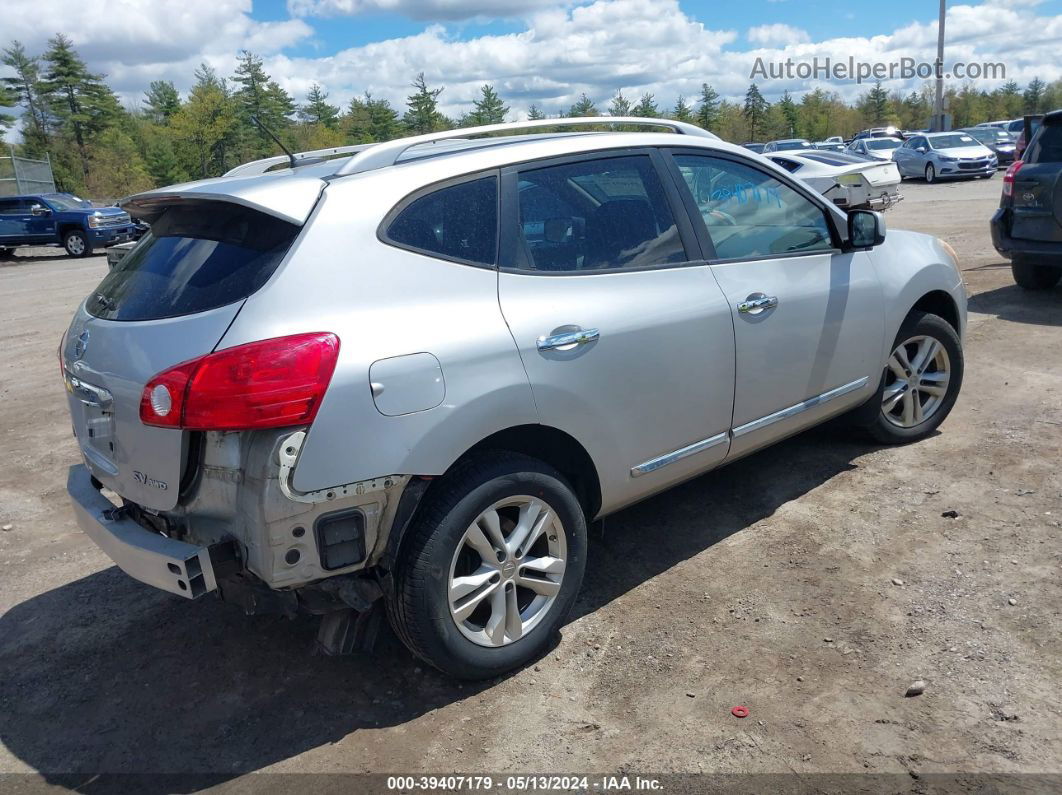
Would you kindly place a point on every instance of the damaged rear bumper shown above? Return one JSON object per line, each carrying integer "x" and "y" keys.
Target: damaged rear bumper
{"x": 171, "y": 565}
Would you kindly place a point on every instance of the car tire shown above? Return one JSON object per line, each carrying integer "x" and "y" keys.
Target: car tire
{"x": 902, "y": 413}
{"x": 931, "y": 173}
{"x": 76, "y": 243}
{"x": 1030, "y": 276}
{"x": 440, "y": 562}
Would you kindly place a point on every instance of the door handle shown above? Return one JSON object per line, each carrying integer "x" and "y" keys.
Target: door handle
{"x": 757, "y": 303}
{"x": 567, "y": 340}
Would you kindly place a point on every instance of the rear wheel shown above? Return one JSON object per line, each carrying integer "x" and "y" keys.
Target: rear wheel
{"x": 931, "y": 173}
{"x": 491, "y": 568}
{"x": 1030, "y": 276}
{"x": 921, "y": 381}
{"x": 76, "y": 243}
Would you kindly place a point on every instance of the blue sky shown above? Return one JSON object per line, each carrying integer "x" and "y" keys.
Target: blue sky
{"x": 545, "y": 52}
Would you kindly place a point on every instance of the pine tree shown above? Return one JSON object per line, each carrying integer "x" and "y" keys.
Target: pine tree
{"x": 488, "y": 109}
{"x": 161, "y": 160}
{"x": 646, "y": 107}
{"x": 875, "y": 105}
{"x": 26, "y": 88}
{"x": 204, "y": 125}
{"x": 259, "y": 97}
{"x": 7, "y": 100}
{"x": 584, "y": 107}
{"x": 708, "y": 109}
{"x": 116, "y": 167}
{"x": 423, "y": 114}
{"x": 1034, "y": 96}
{"x": 81, "y": 102}
{"x": 619, "y": 105}
{"x": 790, "y": 114}
{"x": 534, "y": 114}
{"x": 317, "y": 110}
{"x": 682, "y": 111}
{"x": 162, "y": 101}
{"x": 755, "y": 110}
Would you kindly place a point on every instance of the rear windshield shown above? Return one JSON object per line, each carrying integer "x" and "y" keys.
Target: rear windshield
{"x": 197, "y": 256}
{"x": 1046, "y": 146}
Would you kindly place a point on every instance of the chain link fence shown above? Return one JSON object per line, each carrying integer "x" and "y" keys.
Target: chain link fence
{"x": 22, "y": 175}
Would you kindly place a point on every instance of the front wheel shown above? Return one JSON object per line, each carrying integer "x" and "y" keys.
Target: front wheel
{"x": 931, "y": 173}
{"x": 76, "y": 244}
{"x": 491, "y": 568}
{"x": 921, "y": 381}
{"x": 1029, "y": 276}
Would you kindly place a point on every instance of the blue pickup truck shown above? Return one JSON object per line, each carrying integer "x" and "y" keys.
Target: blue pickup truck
{"x": 59, "y": 219}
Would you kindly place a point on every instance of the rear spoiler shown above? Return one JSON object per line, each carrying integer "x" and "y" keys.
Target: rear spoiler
{"x": 289, "y": 197}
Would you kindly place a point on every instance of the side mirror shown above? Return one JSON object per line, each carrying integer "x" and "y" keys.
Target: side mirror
{"x": 923, "y": 149}
{"x": 38, "y": 209}
{"x": 866, "y": 229}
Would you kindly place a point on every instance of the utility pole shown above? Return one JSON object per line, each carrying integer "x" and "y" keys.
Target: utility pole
{"x": 938, "y": 108}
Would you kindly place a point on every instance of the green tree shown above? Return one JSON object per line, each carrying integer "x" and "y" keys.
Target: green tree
{"x": 1011, "y": 100}
{"x": 619, "y": 105}
{"x": 790, "y": 115}
{"x": 26, "y": 88}
{"x": 422, "y": 114}
{"x": 7, "y": 100}
{"x": 203, "y": 126}
{"x": 584, "y": 106}
{"x": 116, "y": 167}
{"x": 162, "y": 101}
{"x": 682, "y": 111}
{"x": 1034, "y": 96}
{"x": 534, "y": 114}
{"x": 81, "y": 102}
{"x": 708, "y": 108}
{"x": 487, "y": 109}
{"x": 875, "y": 105}
{"x": 257, "y": 96}
{"x": 316, "y": 110}
{"x": 160, "y": 160}
{"x": 646, "y": 107}
{"x": 755, "y": 110}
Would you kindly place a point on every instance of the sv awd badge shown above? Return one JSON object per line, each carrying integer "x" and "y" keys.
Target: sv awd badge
{"x": 140, "y": 477}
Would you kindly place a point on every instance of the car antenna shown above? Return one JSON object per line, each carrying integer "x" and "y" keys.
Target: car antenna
{"x": 269, "y": 132}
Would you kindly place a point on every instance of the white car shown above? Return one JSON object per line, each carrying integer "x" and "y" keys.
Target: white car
{"x": 849, "y": 182}
{"x": 875, "y": 148}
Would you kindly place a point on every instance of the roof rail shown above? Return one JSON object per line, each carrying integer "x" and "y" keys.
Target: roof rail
{"x": 387, "y": 153}
{"x": 263, "y": 165}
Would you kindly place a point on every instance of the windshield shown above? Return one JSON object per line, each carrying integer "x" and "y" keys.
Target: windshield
{"x": 991, "y": 136}
{"x": 783, "y": 146}
{"x": 197, "y": 256}
{"x": 952, "y": 141}
{"x": 64, "y": 201}
{"x": 882, "y": 143}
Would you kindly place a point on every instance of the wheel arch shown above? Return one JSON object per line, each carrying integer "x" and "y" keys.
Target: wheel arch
{"x": 543, "y": 442}
{"x": 939, "y": 302}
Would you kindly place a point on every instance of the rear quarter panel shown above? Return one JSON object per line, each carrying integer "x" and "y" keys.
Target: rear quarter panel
{"x": 386, "y": 302}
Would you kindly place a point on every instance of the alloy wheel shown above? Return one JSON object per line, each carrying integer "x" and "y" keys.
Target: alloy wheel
{"x": 76, "y": 245}
{"x": 931, "y": 173}
{"x": 507, "y": 571}
{"x": 917, "y": 378}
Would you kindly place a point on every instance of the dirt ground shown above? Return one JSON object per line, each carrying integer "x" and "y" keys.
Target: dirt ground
{"x": 770, "y": 583}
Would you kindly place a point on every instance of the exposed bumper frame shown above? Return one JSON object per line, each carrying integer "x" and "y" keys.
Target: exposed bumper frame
{"x": 170, "y": 565}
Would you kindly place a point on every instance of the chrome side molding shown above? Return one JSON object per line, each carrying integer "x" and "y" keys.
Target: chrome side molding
{"x": 792, "y": 411}
{"x": 683, "y": 452}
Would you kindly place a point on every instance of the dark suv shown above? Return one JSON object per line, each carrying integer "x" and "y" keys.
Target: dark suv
{"x": 1027, "y": 227}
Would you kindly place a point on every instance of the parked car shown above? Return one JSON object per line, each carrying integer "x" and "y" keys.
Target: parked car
{"x": 365, "y": 383}
{"x": 878, "y": 132}
{"x": 829, "y": 146}
{"x": 787, "y": 144}
{"x": 116, "y": 254}
{"x": 1001, "y": 142}
{"x": 754, "y": 147}
{"x": 849, "y": 182}
{"x": 60, "y": 219}
{"x": 880, "y": 148}
{"x": 948, "y": 154}
{"x": 1027, "y": 227}
{"x": 834, "y": 139}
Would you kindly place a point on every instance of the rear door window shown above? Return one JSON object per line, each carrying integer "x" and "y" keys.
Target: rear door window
{"x": 457, "y": 222}
{"x": 197, "y": 256}
{"x": 1046, "y": 146}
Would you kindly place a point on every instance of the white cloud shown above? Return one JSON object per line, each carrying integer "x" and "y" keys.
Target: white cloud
{"x": 422, "y": 9}
{"x": 561, "y": 51}
{"x": 777, "y": 34}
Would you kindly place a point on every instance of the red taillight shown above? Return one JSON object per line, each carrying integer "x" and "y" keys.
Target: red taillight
{"x": 267, "y": 384}
{"x": 1008, "y": 178}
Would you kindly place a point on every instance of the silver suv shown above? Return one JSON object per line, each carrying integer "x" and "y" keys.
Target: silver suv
{"x": 406, "y": 379}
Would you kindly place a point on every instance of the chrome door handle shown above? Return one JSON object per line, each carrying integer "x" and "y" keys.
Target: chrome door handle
{"x": 756, "y": 303}
{"x": 567, "y": 340}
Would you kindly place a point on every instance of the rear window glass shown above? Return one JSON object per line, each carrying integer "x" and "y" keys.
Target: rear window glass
{"x": 459, "y": 222}
{"x": 1046, "y": 146}
{"x": 197, "y": 256}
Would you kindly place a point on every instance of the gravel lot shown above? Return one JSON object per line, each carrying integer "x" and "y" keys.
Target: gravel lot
{"x": 812, "y": 582}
